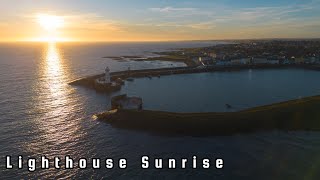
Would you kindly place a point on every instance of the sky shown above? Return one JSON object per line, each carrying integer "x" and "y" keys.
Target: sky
{"x": 160, "y": 20}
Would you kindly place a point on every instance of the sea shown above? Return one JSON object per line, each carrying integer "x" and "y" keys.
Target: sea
{"x": 41, "y": 115}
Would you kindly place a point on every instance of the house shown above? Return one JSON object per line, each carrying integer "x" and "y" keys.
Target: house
{"x": 311, "y": 60}
{"x": 260, "y": 60}
{"x": 223, "y": 63}
{"x": 287, "y": 61}
{"x": 240, "y": 61}
{"x": 273, "y": 61}
{"x": 213, "y": 55}
{"x": 318, "y": 60}
{"x": 205, "y": 60}
{"x": 220, "y": 56}
{"x": 299, "y": 60}
{"x": 196, "y": 60}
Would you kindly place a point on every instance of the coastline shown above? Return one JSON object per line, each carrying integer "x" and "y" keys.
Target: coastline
{"x": 300, "y": 114}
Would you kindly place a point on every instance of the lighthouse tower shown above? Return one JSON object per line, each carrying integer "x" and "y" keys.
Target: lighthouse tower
{"x": 107, "y": 75}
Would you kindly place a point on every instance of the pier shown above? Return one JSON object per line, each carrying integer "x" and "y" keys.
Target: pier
{"x": 129, "y": 74}
{"x": 295, "y": 115}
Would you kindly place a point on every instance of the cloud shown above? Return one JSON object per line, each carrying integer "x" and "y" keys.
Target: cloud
{"x": 196, "y": 26}
{"x": 92, "y": 21}
{"x": 203, "y": 20}
{"x": 181, "y": 12}
{"x": 229, "y": 14}
{"x": 203, "y": 25}
{"x": 171, "y": 9}
{"x": 265, "y": 14}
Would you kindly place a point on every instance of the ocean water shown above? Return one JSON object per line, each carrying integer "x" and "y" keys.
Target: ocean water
{"x": 40, "y": 114}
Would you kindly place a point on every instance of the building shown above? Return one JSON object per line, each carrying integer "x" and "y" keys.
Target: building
{"x": 259, "y": 60}
{"x": 196, "y": 60}
{"x": 287, "y": 61}
{"x": 273, "y": 61}
{"x": 299, "y": 60}
{"x": 223, "y": 63}
{"x": 220, "y": 56}
{"x": 241, "y": 61}
{"x": 105, "y": 84}
{"x": 318, "y": 60}
{"x": 125, "y": 102}
{"x": 310, "y": 60}
{"x": 205, "y": 60}
{"x": 213, "y": 55}
{"x": 106, "y": 79}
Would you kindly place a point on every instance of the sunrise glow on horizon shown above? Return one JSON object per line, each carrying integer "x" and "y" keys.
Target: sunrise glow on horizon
{"x": 145, "y": 20}
{"x": 51, "y": 24}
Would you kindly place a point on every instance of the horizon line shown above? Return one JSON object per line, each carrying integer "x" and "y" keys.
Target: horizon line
{"x": 177, "y": 40}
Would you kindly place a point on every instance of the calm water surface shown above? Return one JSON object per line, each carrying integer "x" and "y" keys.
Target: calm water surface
{"x": 207, "y": 92}
{"x": 41, "y": 115}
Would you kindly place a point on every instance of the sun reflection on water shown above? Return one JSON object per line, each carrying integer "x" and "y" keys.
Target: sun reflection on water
{"x": 56, "y": 109}
{"x": 53, "y": 61}
{"x": 55, "y": 74}
{"x": 58, "y": 103}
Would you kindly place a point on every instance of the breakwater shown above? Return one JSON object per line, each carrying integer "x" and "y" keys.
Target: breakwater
{"x": 301, "y": 114}
{"x": 89, "y": 81}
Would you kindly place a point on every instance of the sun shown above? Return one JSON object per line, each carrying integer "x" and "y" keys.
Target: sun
{"x": 52, "y": 28}
{"x": 50, "y": 22}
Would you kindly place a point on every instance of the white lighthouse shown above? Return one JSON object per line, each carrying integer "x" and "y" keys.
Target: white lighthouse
{"x": 107, "y": 76}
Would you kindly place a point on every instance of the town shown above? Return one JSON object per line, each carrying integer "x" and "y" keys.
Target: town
{"x": 254, "y": 52}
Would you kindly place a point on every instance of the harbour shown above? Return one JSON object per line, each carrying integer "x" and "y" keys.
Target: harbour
{"x": 121, "y": 76}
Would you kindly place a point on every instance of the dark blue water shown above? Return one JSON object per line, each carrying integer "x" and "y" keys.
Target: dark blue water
{"x": 207, "y": 92}
{"x": 41, "y": 115}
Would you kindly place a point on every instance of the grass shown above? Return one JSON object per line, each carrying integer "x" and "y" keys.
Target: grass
{"x": 172, "y": 58}
{"x": 301, "y": 114}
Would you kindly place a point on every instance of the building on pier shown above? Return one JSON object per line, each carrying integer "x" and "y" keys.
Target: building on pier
{"x": 106, "y": 79}
{"x": 104, "y": 83}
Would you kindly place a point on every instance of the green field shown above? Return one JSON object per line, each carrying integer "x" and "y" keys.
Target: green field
{"x": 301, "y": 114}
